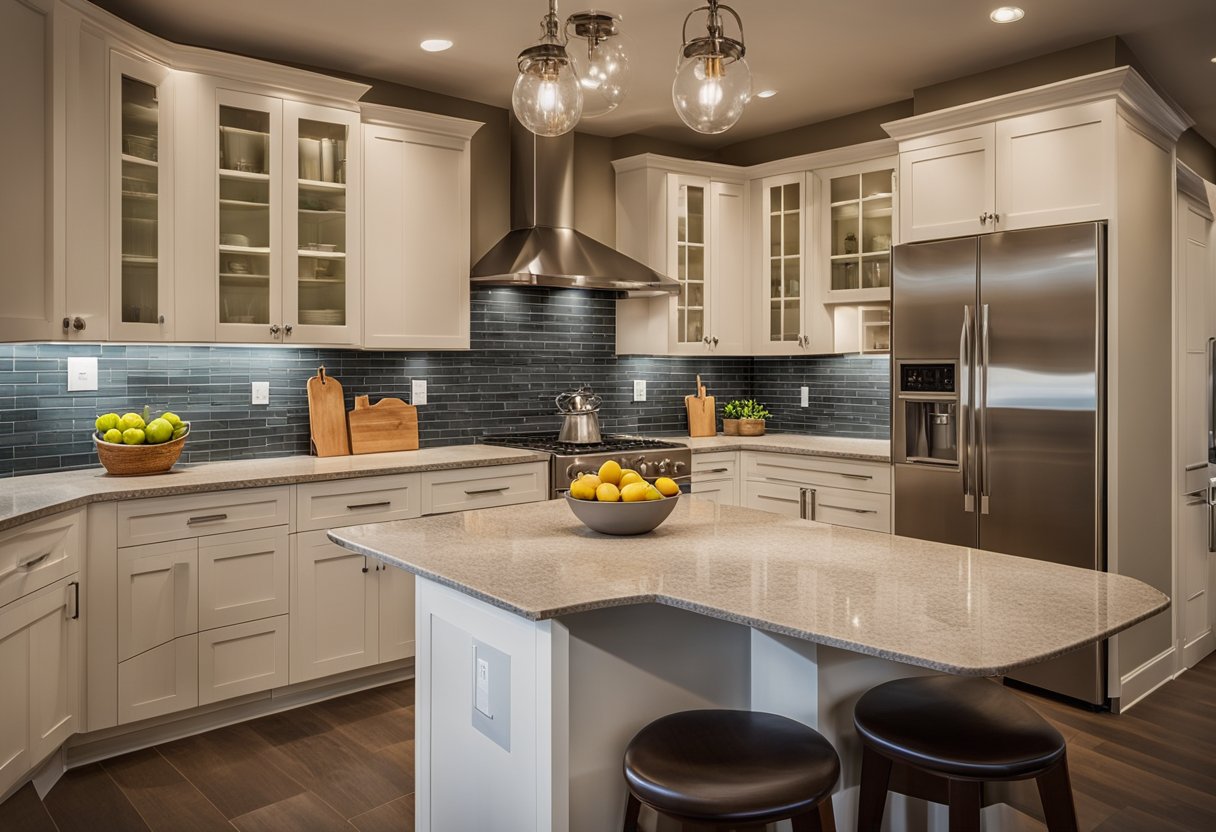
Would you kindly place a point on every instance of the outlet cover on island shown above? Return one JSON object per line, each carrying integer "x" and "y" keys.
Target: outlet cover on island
{"x": 261, "y": 392}
{"x": 418, "y": 391}
{"x": 806, "y": 397}
{"x": 82, "y": 373}
{"x": 639, "y": 390}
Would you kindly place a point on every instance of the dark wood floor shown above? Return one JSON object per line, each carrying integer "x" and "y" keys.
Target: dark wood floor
{"x": 348, "y": 764}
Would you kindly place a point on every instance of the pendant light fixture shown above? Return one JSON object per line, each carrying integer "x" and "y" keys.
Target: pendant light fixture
{"x": 547, "y": 98}
{"x": 603, "y": 64}
{"x": 713, "y": 83}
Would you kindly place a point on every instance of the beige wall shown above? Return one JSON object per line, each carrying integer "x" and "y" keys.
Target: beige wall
{"x": 1196, "y": 152}
{"x": 855, "y": 128}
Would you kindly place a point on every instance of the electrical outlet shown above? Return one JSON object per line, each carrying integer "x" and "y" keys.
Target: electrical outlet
{"x": 418, "y": 391}
{"x": 482, "y": 702}
{"x": 82, "y": 373}
{"x": 261, "y": 392}
{"x": 639, "y": 390}
{"x": 806, "y": 397}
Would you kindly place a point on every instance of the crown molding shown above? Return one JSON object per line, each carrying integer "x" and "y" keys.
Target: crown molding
{"x": 419, "y": 121}
{"x": 1133, "y": 94}
{"x": 836, "y": 156}
{"x": 1194, "y": 187}
{"x": 674, "y": 164}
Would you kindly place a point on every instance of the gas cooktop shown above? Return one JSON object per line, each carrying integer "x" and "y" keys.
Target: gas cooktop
{"x": 608, "y": 444}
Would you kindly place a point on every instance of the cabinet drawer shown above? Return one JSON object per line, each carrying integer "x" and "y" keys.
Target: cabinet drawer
{"x": 779, "y": 498}
{"x": 724, "y": 492}
{"x": 157, "y": 595}
{"x": 715, "y": 466}
{"x": 329, "y": 505}
{"x": 191, "y": 515}
{"x": 242, "y": 576}
{"x": 161, "y": 681}
{"x": 814, "y": 470}
{"x": 243, "y": 658}
{"x": 499, "y": 485}
{"x": 39, "y": 553}
{"x": 855, "y": 509}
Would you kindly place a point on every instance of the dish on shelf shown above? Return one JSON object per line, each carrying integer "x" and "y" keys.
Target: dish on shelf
{"x": 319, "y": 247}
{"x": 322, "y": 317}
{"x": 234, "y": 240}
{"x": 142, "y": 147}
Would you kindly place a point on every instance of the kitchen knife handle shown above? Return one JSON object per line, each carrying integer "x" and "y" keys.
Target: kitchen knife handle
{"x": 983, "y": 364}
{"x": 966, "y": 425}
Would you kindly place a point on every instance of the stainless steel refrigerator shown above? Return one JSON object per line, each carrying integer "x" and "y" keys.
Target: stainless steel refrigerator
{"x": 997, "y": 405}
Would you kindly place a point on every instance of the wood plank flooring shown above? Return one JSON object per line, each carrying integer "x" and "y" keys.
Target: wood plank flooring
{"x": 348, "y": 764}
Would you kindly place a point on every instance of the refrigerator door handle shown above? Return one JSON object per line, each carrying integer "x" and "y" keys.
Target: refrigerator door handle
{"x": 982, "y": 439}
{"x": 1212, "y": 400}
{"x": 966, "y": 425}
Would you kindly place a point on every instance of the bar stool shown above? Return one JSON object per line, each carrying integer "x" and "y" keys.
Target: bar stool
{"x": 944, "y": 736}
{"x": 732, "y": 770}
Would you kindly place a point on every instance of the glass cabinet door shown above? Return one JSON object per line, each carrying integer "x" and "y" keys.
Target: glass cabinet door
{"x": 861, "y": 207}
{"x": 247, "y": 232}
{"x": 784, "y": 253}
{"x": 141, "y": 197}
{"x": 688, "y": 225}
{"x": 320, "y": 192}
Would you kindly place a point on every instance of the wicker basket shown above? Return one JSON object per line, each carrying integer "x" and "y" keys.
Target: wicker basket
{"x": 134, "y": 460}
{"x": 730, "y": 427}
{"x": 751, "y": 427}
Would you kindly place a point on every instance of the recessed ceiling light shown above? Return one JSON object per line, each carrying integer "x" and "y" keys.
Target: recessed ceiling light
{"x": 766, "y": 93}
{"x": 1007, "y": 14}
{"x": 436, "y": 44}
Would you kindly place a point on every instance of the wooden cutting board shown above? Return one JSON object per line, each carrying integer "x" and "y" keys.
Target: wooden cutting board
{"x": 327, "y": 416}
{"x": 387, "y": 425}
{"x": 702, "y": 420}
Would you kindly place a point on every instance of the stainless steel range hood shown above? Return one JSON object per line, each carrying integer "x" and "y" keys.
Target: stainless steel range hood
{"x": 543, "y": 249}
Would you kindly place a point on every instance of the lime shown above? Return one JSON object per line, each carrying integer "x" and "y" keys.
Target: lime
{"x": 106, "y": 421}
{"x": 131, "y": 420}
{"x": 158, "y": 430}
{"x": 113, "y": 436}
{"x": 133, "y": 436}
{"x": 172, "y": 418}
{"x": 178, "y": 433}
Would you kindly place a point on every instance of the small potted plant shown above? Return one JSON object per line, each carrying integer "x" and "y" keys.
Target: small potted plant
{"x": 744, "y": 417}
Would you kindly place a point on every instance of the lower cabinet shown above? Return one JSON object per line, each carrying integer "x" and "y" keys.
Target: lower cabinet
{"x": 841, "y": 492}
{"x": 344, "y": 606}
{"x": 242, "y": 658}
{"x": 716, "y": 477}
{"x": 39, "y": 653}
{"x": 159, "y": 681}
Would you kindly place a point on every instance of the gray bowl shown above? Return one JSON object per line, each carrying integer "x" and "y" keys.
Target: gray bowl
{"x": 623, "y": 518}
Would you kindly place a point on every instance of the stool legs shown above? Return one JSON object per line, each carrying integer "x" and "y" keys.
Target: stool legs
{"x": 872, "y": 799}
{"x": 1055, "y": 790}
{"x": 632, "y": 808}
{"x": 964, "y": 806}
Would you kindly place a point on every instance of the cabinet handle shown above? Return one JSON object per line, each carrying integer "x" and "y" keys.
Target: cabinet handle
{"x": 807, "y": 500}
{"x": 381, "y": 504}
{"x": 206, "y": 518}
{"x": 995, "y": 217}
{"x": 162, "y": 319}
{"x": 854, "y": 510}
{"x": 475, "y": 491}
{"x": 275, "y": 329}
{"x": 75, "y": 586}
{"x": 857, "y": 476}
{"x": 78, "y": 324}
{"x": 365, "y": 570}
{"x": 984, "y": 218}
{"x": 712, "y": 471}
{"x": 705, "y": 340}
{"x": 778, "y": 499}
{"x": 24, "y": 565}
{"x": 287, "y": 329}
{"x": 67, "y": 324}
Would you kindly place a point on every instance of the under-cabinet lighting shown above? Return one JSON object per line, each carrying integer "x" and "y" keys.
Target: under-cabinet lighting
{"x": 435, "y": 44}
{"x": 1007, "y": 14}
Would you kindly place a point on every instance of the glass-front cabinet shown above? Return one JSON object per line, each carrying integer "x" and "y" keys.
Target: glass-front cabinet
{"x": 688, "y": 226}
{"x": 857, "y": 209}
{"x": 141, "y": 200}
{"x": 285, "y": 252}
{"x": 790, "y": 319}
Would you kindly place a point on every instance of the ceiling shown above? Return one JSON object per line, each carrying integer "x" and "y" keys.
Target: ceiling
{"x": 826, "y": 59}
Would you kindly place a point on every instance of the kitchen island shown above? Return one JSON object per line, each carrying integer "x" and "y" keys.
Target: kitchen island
{"x": 586, "y": 638}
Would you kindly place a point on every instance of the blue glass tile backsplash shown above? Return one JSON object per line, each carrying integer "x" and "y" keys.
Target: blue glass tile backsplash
{"x": 528, "y": 345}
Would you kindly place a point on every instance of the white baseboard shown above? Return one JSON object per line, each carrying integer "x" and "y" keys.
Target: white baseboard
{"x": 1145, "y": 679}
{"x": 48, "y": 775}
{"x": 1194, "y": 652}
{"x": 83, "y": 749}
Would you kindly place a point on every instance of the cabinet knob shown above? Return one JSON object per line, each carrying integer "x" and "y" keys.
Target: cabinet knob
{"x": 286, "y": 329}
{"x": 162, "y": 319}
{"x": 705, "y": 340}
{"x": 715, "y": 340}
{"x": 67, "y": 323}
{"x": 995, "y": 217}
{"x": 78, "y": 323}
{"x": 275, "y": 329}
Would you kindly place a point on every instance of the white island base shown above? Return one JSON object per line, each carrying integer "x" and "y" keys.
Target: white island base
{"x": 581, "y": 686}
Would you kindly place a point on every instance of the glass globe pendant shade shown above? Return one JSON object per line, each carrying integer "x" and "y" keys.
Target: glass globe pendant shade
{"x": 601, "y": 61}
{"x": 711, "y": 91}
{"x": 547, "y": 98}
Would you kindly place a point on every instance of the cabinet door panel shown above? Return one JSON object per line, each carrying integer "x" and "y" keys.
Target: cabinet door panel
{"x": 728, "y": 278}
{"x": 160, "y": 681}
{"x": 53, "y": 675}
{"x": 396, "y": 613}
{"x": 37, "y": 554}
{"x": 157, "y": 595}
{"x": 15, "y": 759}
{"x": 328, "y": 505}
{"x": 242, "y": 577}
{"x": 775, "y": 497}
{"x": 855, "y": 509}
{"x": 497, "y": 485}
{"x": 689, "y": 209}
{"x": 945, "y": 188}
{"x": 723, "y": 492}
{"x": 191, "y": 515}
{"x": 242, "y": 659}
{"x": 334, "y": 609}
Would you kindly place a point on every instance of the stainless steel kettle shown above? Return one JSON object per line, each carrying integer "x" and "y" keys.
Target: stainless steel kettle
{"x": 580, "y": 416}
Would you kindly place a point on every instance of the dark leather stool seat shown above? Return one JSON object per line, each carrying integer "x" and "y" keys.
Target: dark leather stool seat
{"x": 731, "y": 769}
{"x": 965, "y": 730}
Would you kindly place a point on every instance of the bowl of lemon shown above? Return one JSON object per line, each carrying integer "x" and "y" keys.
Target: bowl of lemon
{"x": 135, "y": 444}
{"x": 620, "y": 501}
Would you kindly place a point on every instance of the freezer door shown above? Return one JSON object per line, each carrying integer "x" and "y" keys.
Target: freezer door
{"x": 931, "y": 283}
{"x": 1038, "y": 389}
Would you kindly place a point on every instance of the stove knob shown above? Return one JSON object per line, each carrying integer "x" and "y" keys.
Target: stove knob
{"x": 664, "y": 465}
{"x": 572, "y": 472}
{"x": 643, "y": 469}
{"x": 678, "y": 468}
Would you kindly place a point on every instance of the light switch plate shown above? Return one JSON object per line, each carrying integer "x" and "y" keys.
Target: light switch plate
{"x": 418, "y": 391}
{"x": 806, "y": 397}
{"x": 261, "y": 392}
{"x": 639, "y": 390}
{"x": 82, "y": 373}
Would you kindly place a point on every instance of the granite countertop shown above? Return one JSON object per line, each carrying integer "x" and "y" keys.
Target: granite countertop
{"x": 841, "y": 447}
{"x": 27, "y": 498}
{"x": 948, "y": 608}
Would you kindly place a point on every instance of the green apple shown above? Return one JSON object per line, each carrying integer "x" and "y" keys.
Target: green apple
{"x": 131, "y": 420}
{"x": 133, "y": 436}
{"x": 113, "y": 436}
{"x": 172, "y": 418}
{"x": 179, "y": 432}
{"x": 158, "y": 430}
{"x": 106, "y": 421}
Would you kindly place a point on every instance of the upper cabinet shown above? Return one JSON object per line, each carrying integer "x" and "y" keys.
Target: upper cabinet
{"x": 687, "y": 221}
{"x": 857, "y": 222}
{"x": 1044, "y": 168}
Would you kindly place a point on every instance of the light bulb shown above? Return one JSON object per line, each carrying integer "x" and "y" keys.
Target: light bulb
{"x": 603, "y": 73}
{"x": 547, "y": 98}
{"x": 710, "y": 93}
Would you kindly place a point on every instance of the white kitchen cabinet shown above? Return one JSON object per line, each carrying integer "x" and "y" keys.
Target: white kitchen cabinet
{"x": 842, "y": 492}
{"x": 141, "y": 199}
{"x": 376, "y": 499}
{"x": 39, "y": 677}
{"x": 396, "y": 590}
{"x": 242, "y": 576}
{"x": 495, "y": 485}
{"x": 37, "y": 554}
{"x": 157, "y": 595}
{"x": 1045, "y": 168}
{"x": 192, "y": 515}
{"x": 857, "y": 221}
{"x": 159, "y": 681}
{"x": 715, "y": 477}
{"x": 689, "y": 222}
{"x": 242, "y": 658}
{"x": 416, "y": 230}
